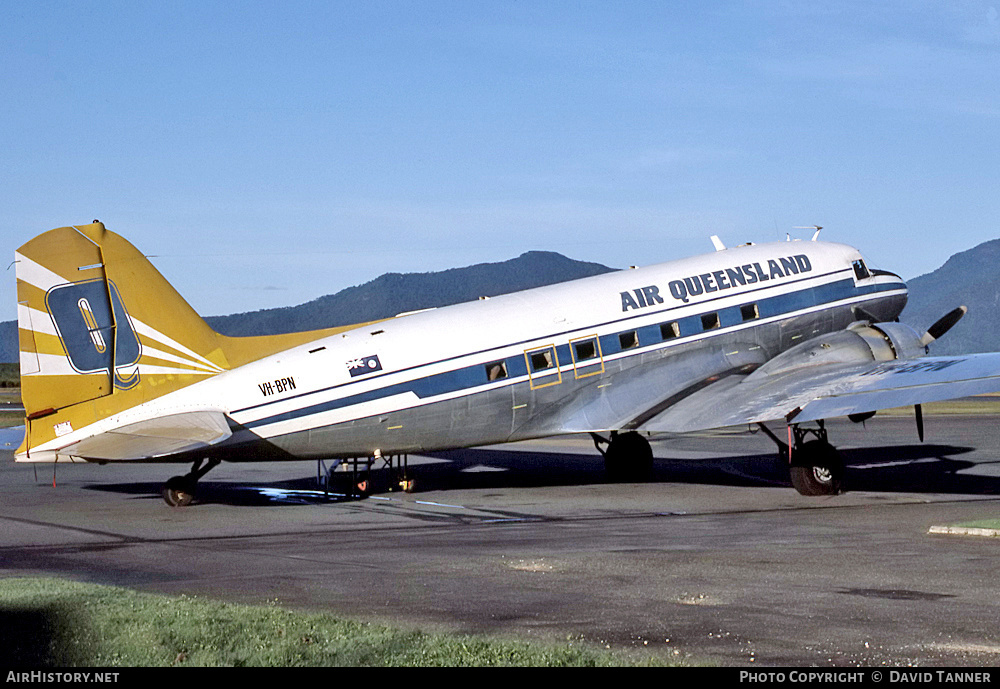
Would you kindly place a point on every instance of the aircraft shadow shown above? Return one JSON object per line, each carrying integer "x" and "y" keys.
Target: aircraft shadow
{"x": 298, "y": 491}
{"x": 463, "y": 469}
{"x": 916, "y": 469}
{"x": 919, "y": 468}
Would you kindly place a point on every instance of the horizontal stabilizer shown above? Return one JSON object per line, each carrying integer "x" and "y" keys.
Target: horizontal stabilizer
{"x": 164, "y": 435}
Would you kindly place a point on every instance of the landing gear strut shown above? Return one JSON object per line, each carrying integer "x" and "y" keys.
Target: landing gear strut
{"x": 628, "y": 456}
{"x": 179, "y": 490}
{"x": 814, "y": 466}
{"x": 361, "y": 473}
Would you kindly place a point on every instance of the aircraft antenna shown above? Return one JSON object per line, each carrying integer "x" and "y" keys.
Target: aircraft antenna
{"x": 811, "y": 227}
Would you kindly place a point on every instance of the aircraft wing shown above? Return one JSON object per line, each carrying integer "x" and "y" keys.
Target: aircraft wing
{"x": 810, "y": 393}
{"x": 639, "y": 394}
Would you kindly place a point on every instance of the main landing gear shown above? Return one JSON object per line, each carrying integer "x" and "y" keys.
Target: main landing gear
{"x": 814, "y": 466}
{"x": 179, "y": 491}
{"x": 628, "y": 456}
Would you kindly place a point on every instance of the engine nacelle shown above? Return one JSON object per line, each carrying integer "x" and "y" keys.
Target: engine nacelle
{"x": 858, "y": 343}
{"x": 902, "y": 340}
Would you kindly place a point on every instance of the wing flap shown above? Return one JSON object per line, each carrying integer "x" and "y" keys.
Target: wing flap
{"x": 164, "y": 435}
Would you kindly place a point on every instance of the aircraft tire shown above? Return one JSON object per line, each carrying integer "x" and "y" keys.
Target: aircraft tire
{"x": 178, "y": 491}
{"x": 817, "y": 469}
{"x": 628, "y": 458}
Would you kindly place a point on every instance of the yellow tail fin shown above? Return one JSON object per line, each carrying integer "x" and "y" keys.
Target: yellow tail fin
{"x": 100, "y": 331}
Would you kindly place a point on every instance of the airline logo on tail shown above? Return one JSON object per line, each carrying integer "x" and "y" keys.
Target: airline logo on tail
{"x": 96, "y": 335}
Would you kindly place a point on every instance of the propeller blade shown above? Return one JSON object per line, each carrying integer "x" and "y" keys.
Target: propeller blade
{"x": 943, "y": 325}
{"x": 920, "y": 421}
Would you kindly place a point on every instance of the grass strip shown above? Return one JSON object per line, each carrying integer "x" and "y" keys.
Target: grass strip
{"x": 58, "y": 623}
{"x": 981, "y": 524}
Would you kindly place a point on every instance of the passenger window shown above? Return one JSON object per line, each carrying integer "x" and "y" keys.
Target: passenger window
{"x": 628, "y": 340}
{"x": 543, "y": 367}
{"x": 542, "y": 360}
{"x": 710, "y": 321}
{"x": 669, "y": 331}
{"x": 587, "y": 359}
{"x": 585, "y": 350}
{"x": 749, "y": 312}
{"x": 496, "y": 370}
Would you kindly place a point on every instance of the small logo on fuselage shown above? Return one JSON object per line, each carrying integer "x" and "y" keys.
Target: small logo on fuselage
{"x": 364, "y": 365}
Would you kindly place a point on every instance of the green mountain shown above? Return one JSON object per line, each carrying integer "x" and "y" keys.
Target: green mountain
{"x": 395, "y": 293}
{"x": 970, "y": 278}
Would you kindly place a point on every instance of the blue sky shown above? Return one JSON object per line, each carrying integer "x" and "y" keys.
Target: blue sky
{"x": 266, "y": 153}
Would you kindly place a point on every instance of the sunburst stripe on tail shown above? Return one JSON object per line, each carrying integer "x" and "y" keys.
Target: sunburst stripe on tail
{"x": 147, "y": 332}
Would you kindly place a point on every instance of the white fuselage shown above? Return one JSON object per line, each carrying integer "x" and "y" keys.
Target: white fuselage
{"x": 596, "y": 354}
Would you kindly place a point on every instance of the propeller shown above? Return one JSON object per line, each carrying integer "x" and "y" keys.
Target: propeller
{"x": 940, "y": 327}
{"x": 943, "y": 325}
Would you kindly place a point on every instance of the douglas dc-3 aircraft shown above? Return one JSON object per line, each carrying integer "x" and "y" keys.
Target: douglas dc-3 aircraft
{"x": 117, "y": 367}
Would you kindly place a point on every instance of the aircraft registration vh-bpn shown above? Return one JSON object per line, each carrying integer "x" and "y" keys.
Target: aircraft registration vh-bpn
{"x": 117, "y": 367}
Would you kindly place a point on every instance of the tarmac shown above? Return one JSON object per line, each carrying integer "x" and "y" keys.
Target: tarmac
{"x": 716, "y": 560}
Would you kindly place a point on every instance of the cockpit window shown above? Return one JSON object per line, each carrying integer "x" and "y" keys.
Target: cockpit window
{"x": 861, "y": 270}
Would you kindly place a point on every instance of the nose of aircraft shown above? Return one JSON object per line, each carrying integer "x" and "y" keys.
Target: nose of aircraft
{"x": 892, "y": 306}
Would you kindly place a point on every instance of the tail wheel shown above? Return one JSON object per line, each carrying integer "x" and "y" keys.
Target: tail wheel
{"x": 628, "y": 458}
{"x": 817, "y": 469}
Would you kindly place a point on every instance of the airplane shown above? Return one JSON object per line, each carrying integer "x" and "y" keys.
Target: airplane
{"x": 117, "y": 367}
